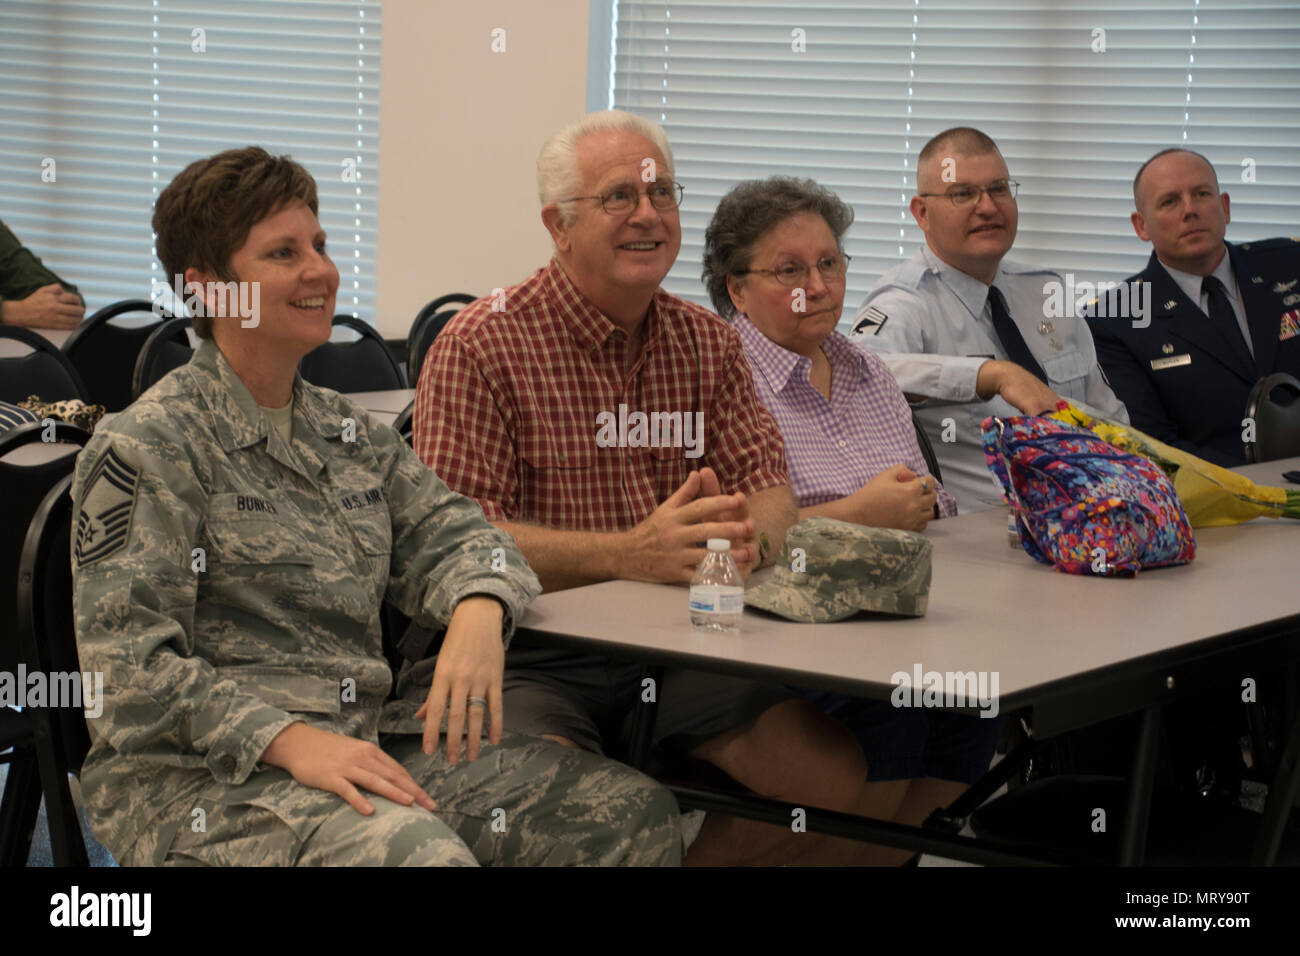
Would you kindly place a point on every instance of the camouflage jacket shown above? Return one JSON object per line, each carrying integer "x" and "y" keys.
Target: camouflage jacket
{"x": 227, "y": 583}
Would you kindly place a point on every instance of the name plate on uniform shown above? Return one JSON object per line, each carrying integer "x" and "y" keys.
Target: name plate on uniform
{"x": 1172, "y": 361}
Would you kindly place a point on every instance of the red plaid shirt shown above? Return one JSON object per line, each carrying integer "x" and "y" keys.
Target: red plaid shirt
{"x": 507, "y": 407}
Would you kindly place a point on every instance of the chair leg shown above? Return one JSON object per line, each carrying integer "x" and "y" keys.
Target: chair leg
{"x": 19, "y": 808}
{"x": 67, "y": 845}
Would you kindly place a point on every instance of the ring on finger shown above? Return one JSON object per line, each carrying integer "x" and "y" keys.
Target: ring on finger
{"x": 481, "y": 701}
{"x": 925, "y": 487}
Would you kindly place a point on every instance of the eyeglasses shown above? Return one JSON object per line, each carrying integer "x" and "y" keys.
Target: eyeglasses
{"x": 663, "y": 194}
{"x": 796, "y": 274}
{"x": 1001, "y": 191}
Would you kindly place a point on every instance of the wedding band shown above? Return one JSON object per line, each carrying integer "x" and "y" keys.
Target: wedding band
{"x": 481, "y": 701}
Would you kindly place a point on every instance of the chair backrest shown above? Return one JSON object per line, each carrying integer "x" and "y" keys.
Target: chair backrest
{"x": 167, "y": 347}
{"x": 44, "y": 371}
{"x": 927, "y": 450}
{"x": 105, "y": 353}
{"x": 46, "y": 622}
{"x": 29, "y": 468}
{"x": 402, "y": 423}
{"x": 1274, "y": 406}
{"x": 366, "y": 365}
{"x": 428, "y": 323}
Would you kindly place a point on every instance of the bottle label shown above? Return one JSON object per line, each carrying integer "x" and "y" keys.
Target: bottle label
{"x": 717, "y": 599}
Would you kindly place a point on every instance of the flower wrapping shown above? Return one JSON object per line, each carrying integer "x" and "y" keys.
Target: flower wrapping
{"x": 1212, "y": 496}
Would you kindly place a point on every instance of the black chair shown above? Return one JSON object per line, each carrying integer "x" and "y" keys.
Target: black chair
{"x": 402, "y": 423}
{"x": 428, "y": 323}
{"x": 365, "y": 365}
{"x": 47, "y": 743}
{"x": 23, "y": 485}
{"x": 166, "y": 348}
{"x": 1277, "y": 419}
{"x": 105, "y": 353}
{"x": 44, "y": 371}
{"x": 927, "y": 450}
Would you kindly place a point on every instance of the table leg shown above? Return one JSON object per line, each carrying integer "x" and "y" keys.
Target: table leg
{"x": 1282, "y": 794}
{"x": 1137, "y": 815}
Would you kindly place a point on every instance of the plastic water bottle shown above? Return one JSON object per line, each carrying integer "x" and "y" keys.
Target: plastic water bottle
{"x": 717, "y": 591}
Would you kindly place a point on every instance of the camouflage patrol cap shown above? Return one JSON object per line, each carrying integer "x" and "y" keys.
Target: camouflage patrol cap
{"x": 829, "y": 570}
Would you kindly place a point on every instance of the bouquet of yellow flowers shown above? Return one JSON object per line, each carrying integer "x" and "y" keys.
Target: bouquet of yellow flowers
{"x": 1212, "y": 496}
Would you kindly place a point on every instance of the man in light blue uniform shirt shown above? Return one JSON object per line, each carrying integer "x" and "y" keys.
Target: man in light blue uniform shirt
{"x": 968, "y": 330}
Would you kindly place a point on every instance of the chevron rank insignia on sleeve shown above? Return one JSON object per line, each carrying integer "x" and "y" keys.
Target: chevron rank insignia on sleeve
{"x": 104, "y": 520}
{"x": 872, "y": 321}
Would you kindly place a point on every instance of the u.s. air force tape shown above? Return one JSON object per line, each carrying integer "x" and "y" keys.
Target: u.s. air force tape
{"x": 872, "y": 321}
{"x": 105, "y": 517}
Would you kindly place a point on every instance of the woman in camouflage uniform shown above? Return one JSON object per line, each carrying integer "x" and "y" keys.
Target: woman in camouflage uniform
{"x": 237, "y": 529}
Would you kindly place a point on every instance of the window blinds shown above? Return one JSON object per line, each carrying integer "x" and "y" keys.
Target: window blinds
{"x": 1076, "y": 95}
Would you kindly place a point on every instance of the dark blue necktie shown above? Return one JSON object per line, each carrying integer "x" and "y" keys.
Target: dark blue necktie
{"x": 1012, "y": 341}
{"x": 1225, "y": 319}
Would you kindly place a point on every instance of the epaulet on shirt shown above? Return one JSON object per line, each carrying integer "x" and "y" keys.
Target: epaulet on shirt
{"x": 1264, "y": 245}
{"x": 1022, "y": 269}
{"x": 908, "y": 276}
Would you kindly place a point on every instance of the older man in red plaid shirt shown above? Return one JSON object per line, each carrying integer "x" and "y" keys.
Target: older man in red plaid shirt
{"x": 611, "y": 428}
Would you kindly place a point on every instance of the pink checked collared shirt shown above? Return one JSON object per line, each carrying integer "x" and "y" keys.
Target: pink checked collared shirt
{"x": 833, "y": 448}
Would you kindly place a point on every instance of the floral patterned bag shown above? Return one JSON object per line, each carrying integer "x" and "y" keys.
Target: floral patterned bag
{"x": 1082, "y": 504}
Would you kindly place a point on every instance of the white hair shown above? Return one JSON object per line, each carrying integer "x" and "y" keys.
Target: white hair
{"x": 558, "y": 176}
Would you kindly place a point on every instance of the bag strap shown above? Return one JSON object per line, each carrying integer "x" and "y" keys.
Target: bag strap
{"x": 1016, "y": 503}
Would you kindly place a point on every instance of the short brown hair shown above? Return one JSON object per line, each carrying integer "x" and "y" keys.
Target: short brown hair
{"x": 965, "y": 140}
{"x": 206, "y": 212}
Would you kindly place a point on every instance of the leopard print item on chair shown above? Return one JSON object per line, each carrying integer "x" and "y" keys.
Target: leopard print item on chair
{"x": 73, "y": 411}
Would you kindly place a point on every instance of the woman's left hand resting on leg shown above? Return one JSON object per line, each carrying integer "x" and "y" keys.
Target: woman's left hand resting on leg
{"x": 470, "y": 664}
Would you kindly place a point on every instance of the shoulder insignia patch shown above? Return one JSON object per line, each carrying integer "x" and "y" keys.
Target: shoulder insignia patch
{"x": 872, "y": 321}
{"x": 106, "y": 507}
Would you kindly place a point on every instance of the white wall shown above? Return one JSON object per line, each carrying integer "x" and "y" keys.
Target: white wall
{"x": 460, "y": 128}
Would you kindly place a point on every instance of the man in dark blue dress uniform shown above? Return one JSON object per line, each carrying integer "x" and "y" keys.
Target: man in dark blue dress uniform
{"x": 1222, "y": 315}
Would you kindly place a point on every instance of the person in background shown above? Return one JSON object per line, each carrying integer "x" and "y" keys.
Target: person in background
{"x": 1223, "y": 315}
{"x": 967, "y": 329}
{"x": 774, "y": 265}
{"x": 30, "y": 294}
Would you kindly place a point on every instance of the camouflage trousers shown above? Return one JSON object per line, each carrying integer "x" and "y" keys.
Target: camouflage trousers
{"x": 525, "y": 802}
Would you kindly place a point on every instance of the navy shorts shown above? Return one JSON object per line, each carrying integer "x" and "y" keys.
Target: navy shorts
{"x": 905, "y": 743}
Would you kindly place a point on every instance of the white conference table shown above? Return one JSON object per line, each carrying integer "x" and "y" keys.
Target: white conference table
{"x": 992, "y": 608}
{"x": 12, "y": 348}
{"x": 1078, "y": 648}
{"x": 392, "y": 400}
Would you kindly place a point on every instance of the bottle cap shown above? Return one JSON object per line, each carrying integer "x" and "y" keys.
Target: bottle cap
{"x": 719, "y": 544}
